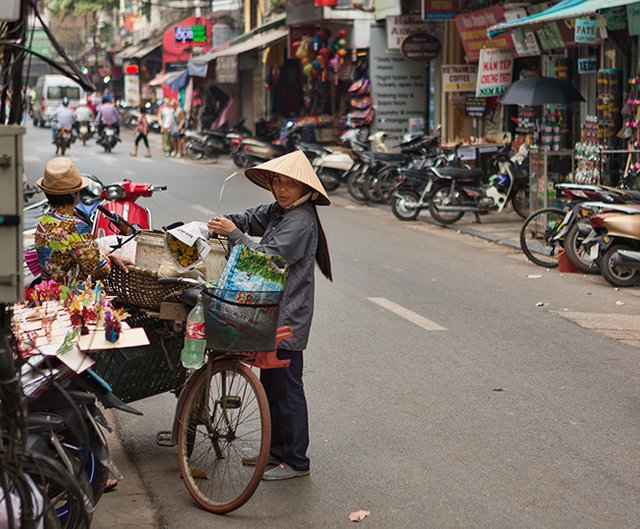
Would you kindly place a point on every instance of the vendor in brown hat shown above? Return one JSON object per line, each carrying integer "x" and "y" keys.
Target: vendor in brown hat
{"x": 66, "y": 249}
{"x": 289, "y": 227}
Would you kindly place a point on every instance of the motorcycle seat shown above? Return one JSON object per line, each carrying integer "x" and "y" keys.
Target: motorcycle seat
{"x": 461, "y": 173}
{"x": 386, "y": 156}
{"x": 420, "y": 174}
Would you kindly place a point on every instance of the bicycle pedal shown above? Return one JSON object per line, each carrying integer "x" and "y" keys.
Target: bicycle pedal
{"x": 230, "y": 402}
{"x": 165, "y": 438}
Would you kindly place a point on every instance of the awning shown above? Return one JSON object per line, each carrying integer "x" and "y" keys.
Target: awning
{"x": 174, "y": 80}
{"x": 162, "y": 78}
{"x": 130, "y": 52}
{"x": 236, "y": 47}
{"x": 560, "y": 11}
{"x": 146, "y": 50}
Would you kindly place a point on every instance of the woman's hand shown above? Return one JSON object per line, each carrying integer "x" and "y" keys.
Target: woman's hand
{"x": 221, "y": 226}
{"x": 120, "y": 261}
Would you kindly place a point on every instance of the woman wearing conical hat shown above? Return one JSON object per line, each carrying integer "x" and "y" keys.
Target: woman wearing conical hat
{"x": 289, "y": 227}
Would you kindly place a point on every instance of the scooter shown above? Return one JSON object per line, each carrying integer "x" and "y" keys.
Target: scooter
{"x": 618, "y": 247}
{"x": 458, "y": 191}
{"x": 121, "y": 198}
{"x": 212, "y": 143}
{"x": 109, "y": 138}
{"x": 63, "y": 140}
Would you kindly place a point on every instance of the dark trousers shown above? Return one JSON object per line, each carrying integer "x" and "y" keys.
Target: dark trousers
{"x": 288, "y": 407}
{"x": 143, "y": 138}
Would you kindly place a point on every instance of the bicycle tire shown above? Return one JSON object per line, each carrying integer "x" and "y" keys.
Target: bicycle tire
{"x": 236, "y": 395}
{"x": 532, "y": 249}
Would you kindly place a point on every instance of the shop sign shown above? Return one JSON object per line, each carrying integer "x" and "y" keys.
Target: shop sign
{"x": 524, "y": 41}
{"x": 472, "y": 28}
{"x": 616, "y": 18}
{"x": 586, "y": 31}
{"x": 549, "y": 34}
{"x": 187, "y": 36}
{"x": 587, "y": 65}
{"x": 475, "y": 107}
{"x": 398, "y": 88}
{"x": 420, "y": 47}
{"x": 633, "y": 18}
{"x": 494, "y": 72}
{"x": 132, "y": 90}
{"x": 399, "y": 28}
{"x": 227, "y": 69}
{"x": 440, "y": 9}
{"x": 459, "y": 77}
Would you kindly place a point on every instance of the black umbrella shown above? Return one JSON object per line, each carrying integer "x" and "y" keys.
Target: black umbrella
{"x": 536, "y": 91}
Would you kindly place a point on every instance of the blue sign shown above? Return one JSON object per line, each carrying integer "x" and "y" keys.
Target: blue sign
{"x": 586, "y": 31}
{"x": 587, "y": 65}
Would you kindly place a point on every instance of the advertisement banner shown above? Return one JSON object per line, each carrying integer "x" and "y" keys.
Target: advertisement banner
{"x": 398, "y": 88}
{"x": 440, "y": 9}
{"x": 132, "y": 90}
{"x": 494, "y": 72}
{"x": 472, "y": 28}
{"x": 399, "y": 28}
{"x": 227, "y": 69}
{"x": 586, "y": 31}
{"x": 524, "y": 41}
{"x": 459, "y": 77}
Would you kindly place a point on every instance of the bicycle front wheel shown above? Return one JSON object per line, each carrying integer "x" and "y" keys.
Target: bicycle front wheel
{"x": 538, "y": 236}
{"x": 225, "y": 421}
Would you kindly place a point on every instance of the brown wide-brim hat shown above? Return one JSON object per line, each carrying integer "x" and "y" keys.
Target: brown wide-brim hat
{"x": 61, "y": 177}
{"x": 294, "y": 165}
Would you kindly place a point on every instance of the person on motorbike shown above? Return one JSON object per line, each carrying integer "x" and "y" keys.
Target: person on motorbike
{"x": 66, "y": 250}
{"x": 82, "y": 114}
{"x": 62, "y": 119}
{"x": 107, "y": 116}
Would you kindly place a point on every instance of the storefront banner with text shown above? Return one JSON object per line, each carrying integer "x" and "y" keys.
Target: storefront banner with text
{"x": 399, "y": 28}
{"x": 494, "y": 72}
{"x": 524, "y": 41}
{"x": 440, "y": 9}
{"x": 472, "y": 28}
{"x": 459, "y": 77}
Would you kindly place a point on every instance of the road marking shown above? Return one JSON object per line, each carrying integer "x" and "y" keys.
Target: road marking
{"x": 204, "y": 210}
{"x": 407, "y": 314}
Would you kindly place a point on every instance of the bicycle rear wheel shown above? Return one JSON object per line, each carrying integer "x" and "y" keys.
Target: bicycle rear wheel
{"x": 225, "y": 419}
{"x": 537, "y": 236}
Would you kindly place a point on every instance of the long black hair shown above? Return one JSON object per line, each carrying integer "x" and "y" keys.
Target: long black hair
{"x": 323, "y": 259}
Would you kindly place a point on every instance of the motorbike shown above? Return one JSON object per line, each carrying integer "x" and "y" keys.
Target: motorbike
{"x": 212, "y": 143}
{"x": 63, "y": 140}
{"x": 253, "y": 151}
{"x": 457, "y": 191}
{"x": 109, "y": 138}
{"x": 121, "y": 198}
{"x": 85, "y": 131}
{"x": 615, "y": 244}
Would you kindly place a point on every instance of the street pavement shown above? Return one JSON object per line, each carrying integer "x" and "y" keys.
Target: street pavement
{"x": 450, "y": 382}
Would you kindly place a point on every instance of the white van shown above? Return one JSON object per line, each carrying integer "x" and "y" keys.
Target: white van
{"x": 50, "y": 89}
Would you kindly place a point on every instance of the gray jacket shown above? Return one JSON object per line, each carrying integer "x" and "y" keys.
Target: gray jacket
{"x": 292, "y": 234}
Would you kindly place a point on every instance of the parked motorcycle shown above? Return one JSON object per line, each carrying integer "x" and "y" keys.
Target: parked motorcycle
{"x": 121, "y": 198}
{"x": 212, "y": 143}
{"x": 457, "y": 191}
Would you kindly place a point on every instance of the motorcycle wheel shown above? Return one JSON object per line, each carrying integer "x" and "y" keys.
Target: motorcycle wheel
{"x": 369, "y": 188}
{"x": 401, "y": 205}
{"x": 537, "y": 236}
{"x": 575, "y": 252}
{"x": 84, "y": 142}
{"x": 444, "y": 196}
{"x": 107, "y": 147}
{"x": 617, "y": 275}
{"x": 354, "y": 186}
{"x": 387, "y": 183}
{"x": 241, "y": 159}
{"x": 520, "y": 202}
{"x": 193, "y": 154}
{"x": 330, "y": 182}
{"x": 63, "y": 149}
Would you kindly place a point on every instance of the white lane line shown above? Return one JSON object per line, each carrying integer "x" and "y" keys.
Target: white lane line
{"x": 203, "y": 210}
{"x": 407, "y": 314}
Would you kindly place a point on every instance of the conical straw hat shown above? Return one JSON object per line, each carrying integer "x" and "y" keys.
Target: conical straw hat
{"x": 294, "y": 165}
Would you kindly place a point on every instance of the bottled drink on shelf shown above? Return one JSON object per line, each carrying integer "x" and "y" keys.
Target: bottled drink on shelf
{"x": 195, "y": 339}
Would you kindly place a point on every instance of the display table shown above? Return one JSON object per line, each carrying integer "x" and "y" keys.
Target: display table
{"x": 547, "y": 168}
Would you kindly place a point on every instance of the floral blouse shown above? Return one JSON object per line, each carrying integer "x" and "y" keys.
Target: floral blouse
{"x": 66, "y": 249}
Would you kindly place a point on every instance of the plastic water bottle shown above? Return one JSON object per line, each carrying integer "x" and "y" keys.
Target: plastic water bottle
{"x": 195, "y": 339}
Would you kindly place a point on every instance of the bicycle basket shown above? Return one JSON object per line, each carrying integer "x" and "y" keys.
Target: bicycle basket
{"x": 139, "y": 287}
{"x": 241, "y": 321}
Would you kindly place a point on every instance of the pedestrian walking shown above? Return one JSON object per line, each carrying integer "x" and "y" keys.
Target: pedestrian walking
{"x": 177, "y": 134}
{"x": 142, "y": 131}
{"x": 166, "y": 118}
{"x": 289, "y": 227}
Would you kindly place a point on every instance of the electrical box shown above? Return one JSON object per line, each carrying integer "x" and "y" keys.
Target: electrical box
{"x": 10, "y": 10}
{"x": 11, "y": 200}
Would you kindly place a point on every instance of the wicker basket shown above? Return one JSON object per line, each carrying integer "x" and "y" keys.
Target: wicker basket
{"x": 139, "y": 287}
{"x": 135, "y": 373}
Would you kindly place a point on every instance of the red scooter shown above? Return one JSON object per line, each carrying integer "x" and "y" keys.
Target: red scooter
{"x": 121, "y": 198}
